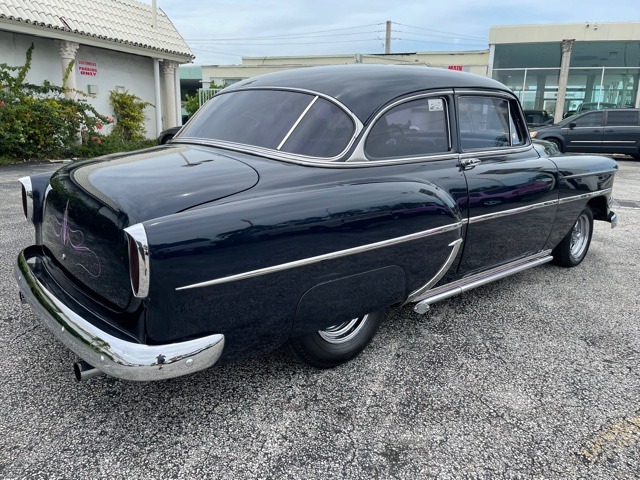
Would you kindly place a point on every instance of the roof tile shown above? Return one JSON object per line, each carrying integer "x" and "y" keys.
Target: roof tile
{"x": 119, "y": 21}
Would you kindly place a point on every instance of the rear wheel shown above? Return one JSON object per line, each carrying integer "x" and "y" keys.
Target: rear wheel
{"x": 575, "y": 245}
{"x": 337, "y": 344}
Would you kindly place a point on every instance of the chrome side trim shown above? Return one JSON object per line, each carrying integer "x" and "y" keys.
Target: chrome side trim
{"x": 112, "y": 355}
{"x": 440, "y": 273}
{"x": 297, "y": 122}
{"x": 513, "y": 211}
{"x": 578, "y": 175}
{"x": 574, "y": 198}
{"x": 500, "y": 151}
{"x": 479, "y": 279}
{"x": 138, "y": 235}
{"x": 326, "y": 256}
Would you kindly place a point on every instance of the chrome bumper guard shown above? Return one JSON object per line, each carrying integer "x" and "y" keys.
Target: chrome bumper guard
{"x": 111, "y": 355}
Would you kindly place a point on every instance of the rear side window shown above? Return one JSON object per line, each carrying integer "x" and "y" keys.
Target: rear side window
{"x": 294, "y": 122}
{"x": 412, "y": 129}
{"x": 488, "y": 122}
{"x": 593, "y": 119}
{"x": 622, "y": 118}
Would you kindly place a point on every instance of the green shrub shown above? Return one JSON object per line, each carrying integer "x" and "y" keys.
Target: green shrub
{"x": 37, "y": 121}
{"x": 129, "y": 112}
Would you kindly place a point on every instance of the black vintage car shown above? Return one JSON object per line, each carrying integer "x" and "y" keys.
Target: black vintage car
{"x": 297, "y": 207}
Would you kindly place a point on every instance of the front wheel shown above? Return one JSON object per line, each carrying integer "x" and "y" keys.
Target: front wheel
{"x": 337, "y": 344}
{"x": 557, "y": 143}
{"x": 575, "y": 245}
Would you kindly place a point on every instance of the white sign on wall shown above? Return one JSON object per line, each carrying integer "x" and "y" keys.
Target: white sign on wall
{"x": 88, "y": 69}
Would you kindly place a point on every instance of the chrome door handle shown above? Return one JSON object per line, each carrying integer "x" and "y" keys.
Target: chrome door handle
{"x": 468, "y": 163}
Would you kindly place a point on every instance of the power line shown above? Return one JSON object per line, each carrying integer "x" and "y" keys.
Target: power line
{"x": 284, "y": 34}
{"x": 439, "y": 43}
{"x": 440, "y": 31}
{"x": 223, "y": 40}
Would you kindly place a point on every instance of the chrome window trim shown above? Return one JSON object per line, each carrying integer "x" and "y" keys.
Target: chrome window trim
{"x": 502, "y": 151}
{"x": 138, "y": 234}
{"x": 297, "y": 122}
{"x": 285, "y": 156}
{"x": 494, "y": 93}
{"x": 327, "y": 256}
{"x": 359, "y": 155}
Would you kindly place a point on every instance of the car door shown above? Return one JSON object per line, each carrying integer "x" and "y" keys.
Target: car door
{"x": 621, "y": 132}
{"x": 584, "y": 133}
{"x": 512, "y": 190}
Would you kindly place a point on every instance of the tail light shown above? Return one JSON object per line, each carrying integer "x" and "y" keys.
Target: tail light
{"x": 138, "y": 247}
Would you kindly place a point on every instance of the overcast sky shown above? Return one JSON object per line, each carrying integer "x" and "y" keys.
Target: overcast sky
{"x": 222, "y": 32}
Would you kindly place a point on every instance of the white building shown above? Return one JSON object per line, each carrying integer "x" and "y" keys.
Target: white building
{"x": 121, "y": 45}
{"x": 469, "y": 61}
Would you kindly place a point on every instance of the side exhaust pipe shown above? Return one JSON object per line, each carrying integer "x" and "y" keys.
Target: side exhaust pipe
{"x": 83, "y": 371}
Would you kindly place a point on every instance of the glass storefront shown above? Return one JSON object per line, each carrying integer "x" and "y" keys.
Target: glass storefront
{"x": 600, "y": 74}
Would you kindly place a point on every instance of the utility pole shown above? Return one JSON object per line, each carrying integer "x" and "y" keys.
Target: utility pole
{"x": 387, "y": 40}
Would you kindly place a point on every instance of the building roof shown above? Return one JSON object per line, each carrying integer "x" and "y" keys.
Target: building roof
{"x": 113, "y": 23}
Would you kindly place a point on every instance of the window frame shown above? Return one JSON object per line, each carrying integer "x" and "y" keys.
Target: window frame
{"x": 445, "y": 96}
{"x": 518, "y": 121}
{"x": 274, "y": 153}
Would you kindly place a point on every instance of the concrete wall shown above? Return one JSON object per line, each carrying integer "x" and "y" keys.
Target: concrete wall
{"x": 475, "y": 61}
{"x": 587, "y": 31}
{"x": 113, "y": 69}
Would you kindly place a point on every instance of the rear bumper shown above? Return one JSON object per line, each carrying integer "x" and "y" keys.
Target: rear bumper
{"x": 113, "y": 356}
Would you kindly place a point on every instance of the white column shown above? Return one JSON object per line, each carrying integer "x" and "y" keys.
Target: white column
{"x": 158, "y": 95}
{"x": 169, "y": 69}
{"x": 567, "y": 45}
{"x": 178, "y": 97}
{"x": 68, "y": 52}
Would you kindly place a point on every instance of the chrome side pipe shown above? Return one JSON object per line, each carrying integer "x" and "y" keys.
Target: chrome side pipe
{"x": 83, "y": 371}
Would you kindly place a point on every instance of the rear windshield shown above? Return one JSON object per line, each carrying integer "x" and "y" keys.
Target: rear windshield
{"x": 292, "y": 122}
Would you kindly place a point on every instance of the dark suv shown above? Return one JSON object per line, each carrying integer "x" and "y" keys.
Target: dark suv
{"x": 597, "y": 131}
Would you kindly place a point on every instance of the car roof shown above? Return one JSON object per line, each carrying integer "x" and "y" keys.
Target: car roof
{"x": 364, "y": 88}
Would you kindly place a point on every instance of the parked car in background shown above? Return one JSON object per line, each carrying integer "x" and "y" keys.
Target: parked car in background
{"x": 537, "y": 118}
{"x": 545, "y": 148}
{"x": 168, "y": 134}
{"x": 596, "y": 131}
{"x": 586, "y": 106}
{"x": 295, "y": 209}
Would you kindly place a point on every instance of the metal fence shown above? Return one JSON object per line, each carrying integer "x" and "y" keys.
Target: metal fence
{"x": 205, "y": 94}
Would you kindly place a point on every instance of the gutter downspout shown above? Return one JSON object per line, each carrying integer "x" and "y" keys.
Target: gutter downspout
{"x": 156, "y": 80}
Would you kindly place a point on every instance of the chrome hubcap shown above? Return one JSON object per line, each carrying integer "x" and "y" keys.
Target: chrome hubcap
{"x": 345, "y": 331}
{"x": 579, "y": 237}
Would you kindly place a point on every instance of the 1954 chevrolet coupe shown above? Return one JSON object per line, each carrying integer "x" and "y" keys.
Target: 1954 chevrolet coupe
{"x": 297, "y": 207}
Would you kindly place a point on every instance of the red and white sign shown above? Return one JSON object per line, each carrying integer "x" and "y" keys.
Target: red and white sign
{"x": 88, "y": 69}
{"x": 457, "y": 68}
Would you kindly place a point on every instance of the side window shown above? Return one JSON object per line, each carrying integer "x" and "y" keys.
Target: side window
{"x": 487, "y": 122}
{"x": 623, "y": 117}
{"x": 591, "y": 119}
{"x": 412, "y": 129}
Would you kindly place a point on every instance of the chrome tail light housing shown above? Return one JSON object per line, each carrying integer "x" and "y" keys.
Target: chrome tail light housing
{"x": 27, "y": 198}
{"x": 139, "y": 266}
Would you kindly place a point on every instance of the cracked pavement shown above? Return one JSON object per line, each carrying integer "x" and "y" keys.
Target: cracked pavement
{"x": 534, "y": 376}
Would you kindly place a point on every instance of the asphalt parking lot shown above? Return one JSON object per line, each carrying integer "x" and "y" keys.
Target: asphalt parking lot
{"x": 535, "y": 376}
